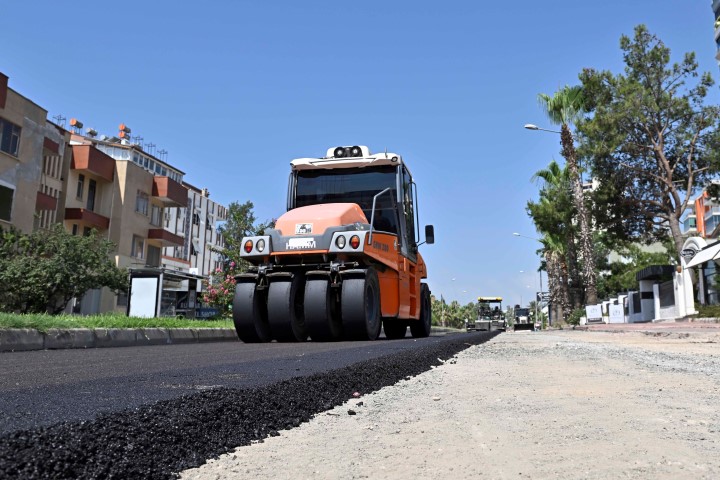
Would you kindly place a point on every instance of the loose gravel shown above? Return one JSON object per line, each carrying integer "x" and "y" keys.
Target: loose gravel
{"x": 555, "y": 405}
{"x": 158, "y": 441}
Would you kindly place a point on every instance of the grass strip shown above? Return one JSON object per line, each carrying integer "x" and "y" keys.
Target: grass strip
{"x": 43, "y": 322}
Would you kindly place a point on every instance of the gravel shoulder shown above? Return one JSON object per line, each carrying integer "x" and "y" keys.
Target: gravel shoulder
{"x": 559, "y": 404}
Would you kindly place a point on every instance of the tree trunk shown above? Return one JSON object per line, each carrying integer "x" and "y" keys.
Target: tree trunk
{"x": 586, "y": 246}
{"x": 674, "y": 224}
{"x": 557, "y": 286}
{"x": 575, "y": 283}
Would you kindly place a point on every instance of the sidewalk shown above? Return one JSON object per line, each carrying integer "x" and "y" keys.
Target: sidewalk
{"x": 678, "y": 327}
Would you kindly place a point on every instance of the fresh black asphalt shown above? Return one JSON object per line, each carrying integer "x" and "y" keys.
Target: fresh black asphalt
{"x": 150, "y": 412}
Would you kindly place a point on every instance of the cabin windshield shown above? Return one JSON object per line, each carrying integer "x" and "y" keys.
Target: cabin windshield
{"x": 346, "y": 186}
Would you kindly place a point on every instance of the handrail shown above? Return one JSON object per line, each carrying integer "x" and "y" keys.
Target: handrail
{"x": 372, "y": 215}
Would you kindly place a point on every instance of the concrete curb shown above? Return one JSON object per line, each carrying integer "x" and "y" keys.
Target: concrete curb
{"x": 22, "y": 340}
{"x": 19, "y": 340}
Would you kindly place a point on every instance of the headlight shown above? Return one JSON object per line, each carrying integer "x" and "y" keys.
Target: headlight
{"x": 260, "y": 245}
{"x": 248, "y": 246}
{"x": 340, "y": 242}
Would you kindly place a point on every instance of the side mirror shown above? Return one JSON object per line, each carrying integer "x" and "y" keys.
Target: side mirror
{"x": 429, "y": 234}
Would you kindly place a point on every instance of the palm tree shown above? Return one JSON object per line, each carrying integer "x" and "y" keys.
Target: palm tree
{"x": 564, "y": 108}
{"x": 554, "y": 252}
{"x": 553, "y": 215}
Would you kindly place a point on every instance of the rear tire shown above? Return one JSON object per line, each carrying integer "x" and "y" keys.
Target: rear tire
{"x": 321, "y": 317}
{"x": 250, "y": 313}
{"x": 394, "y": 328}
{"x": 421, "y": 328}
{"x": 285, "y": 308}
{"x": 360, "y": 306}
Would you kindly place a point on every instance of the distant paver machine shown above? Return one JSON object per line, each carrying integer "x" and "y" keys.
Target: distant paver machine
{"x": 489, "y": 315}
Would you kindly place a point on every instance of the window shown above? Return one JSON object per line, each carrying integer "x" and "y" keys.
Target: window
{"x": 156, "y": 215}
{"x": 9, "y": 137}
{"x": 87, "y": 231}
{"x": 92, "y": 187}
{"x": 80, "y": 186}
{"x": 138, "y": 247}
{"x": 153, "y": 256}
{"x": 6, "y": 200}
{"x": 75, "y": 229}
{"x": 196, "y": 218}
{"x": 141, "y": 202}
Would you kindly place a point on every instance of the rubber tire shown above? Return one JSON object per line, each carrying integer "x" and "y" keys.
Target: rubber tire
{"x": 360, "y": 306}
{"x": 321, "y": 317}
{"x": 394, "y": 328}
{"x": 421, "y": 328}
{"x": 250, "y": 314}
{"x": 285, "y": 308}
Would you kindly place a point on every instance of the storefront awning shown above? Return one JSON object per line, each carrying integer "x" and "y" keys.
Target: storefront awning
{"x": 705, "y": 255}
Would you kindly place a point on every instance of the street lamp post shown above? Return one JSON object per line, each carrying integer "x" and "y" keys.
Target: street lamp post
{"x": 530, "y": 126}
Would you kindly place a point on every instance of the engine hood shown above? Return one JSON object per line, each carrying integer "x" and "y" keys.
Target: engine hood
{"x": 315, "y": 219}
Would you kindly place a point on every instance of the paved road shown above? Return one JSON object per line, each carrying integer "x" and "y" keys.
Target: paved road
{"x": 40, "y": 388}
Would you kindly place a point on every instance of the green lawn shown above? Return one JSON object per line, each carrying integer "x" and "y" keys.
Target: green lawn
{"x": 44, "y": 322}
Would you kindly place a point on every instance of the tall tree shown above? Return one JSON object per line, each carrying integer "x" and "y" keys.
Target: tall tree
{"x": 651, "y": 138}
{"x": 565, "y": 108}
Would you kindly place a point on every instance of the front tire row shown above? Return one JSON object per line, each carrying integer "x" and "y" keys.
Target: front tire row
{"x": 293, "y": 307}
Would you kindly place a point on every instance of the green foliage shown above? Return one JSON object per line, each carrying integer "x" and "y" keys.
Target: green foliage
{"x": 574, "y": 317}
{"x": 40, "y": 272}
{"x": 44, "y": 322}
{"x": 708, "y": 311}
{"x": 633, "y": 258}
{"x": 453, "y": 313}
{"x": 219, "y": 290}
{"x": 241, "y": 222}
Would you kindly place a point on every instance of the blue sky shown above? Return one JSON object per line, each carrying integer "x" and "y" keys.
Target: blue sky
{"x": 235, "y": 90}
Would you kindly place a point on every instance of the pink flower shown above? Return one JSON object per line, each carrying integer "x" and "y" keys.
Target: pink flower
{"x": 232, "y": 264}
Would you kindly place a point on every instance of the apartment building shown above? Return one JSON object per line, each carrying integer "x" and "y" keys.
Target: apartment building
{"x": 131, "y": 197}
{"x": 34, "y": 156}
{"x": 123, "y": 193}
{"x": 197, "y": 223}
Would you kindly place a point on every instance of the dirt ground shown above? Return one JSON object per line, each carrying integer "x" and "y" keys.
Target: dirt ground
{"x": 555, "y": 404}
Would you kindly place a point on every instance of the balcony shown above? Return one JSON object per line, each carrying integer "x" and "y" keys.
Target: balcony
{"x": 43, "y": 201}
{"x": 169, "y": 192}
{"x": 165, "y": 238}
{"x": 89, "y": 159}
{"x": 87, "y": 217}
